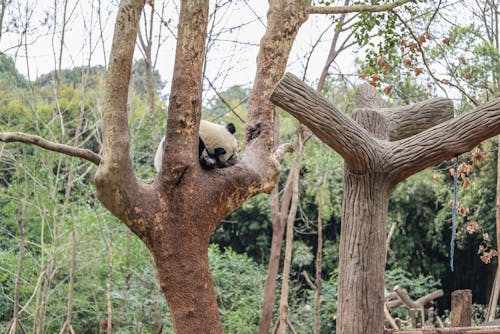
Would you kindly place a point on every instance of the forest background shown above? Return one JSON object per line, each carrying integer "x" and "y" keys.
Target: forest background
{"x": 48, "y": 210}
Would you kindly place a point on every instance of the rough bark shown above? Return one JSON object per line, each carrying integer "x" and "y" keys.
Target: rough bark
{"x": 173, "y": 222}
{"x": 495, "y": 290}
{"x": 170, "y": 216}
{"x": 461, "y": 308}
{"x": 319, "y": 261}
{"x": 283, "y": 321}
{"x": 381, "y": 146}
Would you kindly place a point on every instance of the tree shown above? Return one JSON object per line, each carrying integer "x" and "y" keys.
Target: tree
{"x": 381, "y": 146}
{"x": 176, "y": 215}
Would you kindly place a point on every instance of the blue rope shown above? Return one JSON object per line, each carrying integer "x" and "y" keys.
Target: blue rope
{"x": 454, "y": 216}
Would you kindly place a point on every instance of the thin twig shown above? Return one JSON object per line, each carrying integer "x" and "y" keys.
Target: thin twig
{"x": 426, "y": 62}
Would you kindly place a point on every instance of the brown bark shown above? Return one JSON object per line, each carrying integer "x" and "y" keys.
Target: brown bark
{"x": 283, "y": 308}
{"x": 380, "y": 146}
{"x": 176, "y": 215}
{"x": 8, "y": 137}
{"x": 169, "y": 216}
{"x": 319, "y": 260}
{"x": 461, "y": 308}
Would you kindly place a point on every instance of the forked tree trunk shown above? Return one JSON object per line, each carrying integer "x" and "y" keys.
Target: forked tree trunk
{"x": 381, "y": 147}
{"x": 176, "y": 215}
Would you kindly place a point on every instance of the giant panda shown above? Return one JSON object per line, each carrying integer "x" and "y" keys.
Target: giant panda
{"x": 217, "y": 146}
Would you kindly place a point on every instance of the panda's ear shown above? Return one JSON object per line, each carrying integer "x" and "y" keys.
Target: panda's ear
{"x": 230, "y": 127}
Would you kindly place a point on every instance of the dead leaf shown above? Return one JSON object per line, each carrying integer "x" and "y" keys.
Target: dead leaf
{"x": 472, "y": 227}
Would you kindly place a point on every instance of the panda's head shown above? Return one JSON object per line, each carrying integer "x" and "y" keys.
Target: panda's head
{"x": 218, "y": 146}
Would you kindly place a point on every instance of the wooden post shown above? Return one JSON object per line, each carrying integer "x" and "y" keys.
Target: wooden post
{"x": 461, "y": 308}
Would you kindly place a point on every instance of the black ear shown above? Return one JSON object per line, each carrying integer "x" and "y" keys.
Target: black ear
{"x": 230, "y": 127}
{"x": 219, "y": 151}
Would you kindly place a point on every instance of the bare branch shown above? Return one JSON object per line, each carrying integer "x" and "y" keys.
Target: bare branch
{"x": 9, "y": 137}
{"x": 356, "y": 8}
{"x": 403, "y": 122}
{"x": 427, "y": 66}
{"x": 308, "y": 280}
{"x": 283, "y": 149}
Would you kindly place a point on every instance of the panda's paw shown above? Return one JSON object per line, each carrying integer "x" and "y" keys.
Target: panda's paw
{"x": 208, "y": 162}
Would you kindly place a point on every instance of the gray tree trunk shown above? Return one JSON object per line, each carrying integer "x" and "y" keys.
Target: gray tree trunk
{"x": 381, "y": 147}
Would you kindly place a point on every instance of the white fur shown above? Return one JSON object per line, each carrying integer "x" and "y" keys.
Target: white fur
{"x": 213, "y": 135}
{"x": 159, "y": 154}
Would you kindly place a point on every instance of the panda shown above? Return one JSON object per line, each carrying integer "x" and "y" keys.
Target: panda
{"x": 217, "y": 146}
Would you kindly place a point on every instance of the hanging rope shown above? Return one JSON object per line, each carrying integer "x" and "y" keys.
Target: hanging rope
{"x": 454, "y": 216}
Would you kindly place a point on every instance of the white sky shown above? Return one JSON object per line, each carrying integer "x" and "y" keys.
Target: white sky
{"x": 228, "y": 63}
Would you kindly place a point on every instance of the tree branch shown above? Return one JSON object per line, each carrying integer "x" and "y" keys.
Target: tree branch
{"x": 282, "y": 150}
{"x": 356, "y": 8}
{"x": 461, "y": 134}
{"x": 10, "y": 137}
{"x": 184, "y": 109}
{"x": 308, "y": 280}
{"x": 117, "y": 186}
{"x": 275, "y": 47}
{"x": 339, "y": 131}
{"x": 115, "y": 116}
{"x": 406, "y": 121}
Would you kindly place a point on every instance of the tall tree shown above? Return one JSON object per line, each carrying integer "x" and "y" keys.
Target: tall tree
{"x": 381, "y": 146}
{"x": 176, "y": 215}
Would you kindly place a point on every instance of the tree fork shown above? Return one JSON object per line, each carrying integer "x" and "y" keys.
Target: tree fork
{"x": 380, "y": 146}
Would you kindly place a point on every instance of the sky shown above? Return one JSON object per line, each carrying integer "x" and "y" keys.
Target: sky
{"x": 228, "y": 62}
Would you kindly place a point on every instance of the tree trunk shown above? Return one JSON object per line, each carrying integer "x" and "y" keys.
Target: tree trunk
{"x": 283, "y": 321}
{"x": 362, "y": 253}
{"x": 381, "y": 146}
{"x": 183, "y": 271}
{"x": 319, "y": 261}
{"x": 266, "y": 315}
{"x": 495, "y": 291}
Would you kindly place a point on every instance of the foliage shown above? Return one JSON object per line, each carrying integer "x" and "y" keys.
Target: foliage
{"x": 239, "y": 304}
{"x": 416, "y": 285}
{"x": 9, "y": 75}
